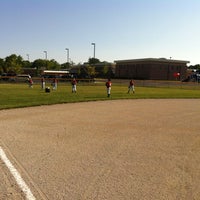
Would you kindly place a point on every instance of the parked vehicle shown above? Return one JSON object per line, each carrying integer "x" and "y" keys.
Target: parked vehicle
{"x": 8, "y": 77}
{"x": 22, "y": 78}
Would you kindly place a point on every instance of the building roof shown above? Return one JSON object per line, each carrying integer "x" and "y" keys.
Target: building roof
{"x": 55, "y": 72}
{"x": 164, "y": 60}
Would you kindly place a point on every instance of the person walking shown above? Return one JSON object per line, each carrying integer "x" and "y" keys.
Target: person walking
{"x": 131, "y": 86}
{"x": 108, "y": 86}
{"x": 74, "y": 83}
{"x": 30, "y": 82}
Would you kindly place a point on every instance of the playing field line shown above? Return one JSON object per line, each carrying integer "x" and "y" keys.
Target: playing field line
{"x": 23, "y": 186}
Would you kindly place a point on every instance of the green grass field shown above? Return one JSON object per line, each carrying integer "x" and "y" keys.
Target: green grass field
{"x": 20, "y": 95}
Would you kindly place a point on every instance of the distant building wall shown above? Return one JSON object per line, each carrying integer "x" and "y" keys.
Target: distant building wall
{"x": 151, "y": 69}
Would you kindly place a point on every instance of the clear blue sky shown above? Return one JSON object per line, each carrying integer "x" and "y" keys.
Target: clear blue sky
{"x": 121, "y": 29}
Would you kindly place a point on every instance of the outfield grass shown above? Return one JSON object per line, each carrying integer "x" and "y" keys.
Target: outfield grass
{"x": 20, "y": 95}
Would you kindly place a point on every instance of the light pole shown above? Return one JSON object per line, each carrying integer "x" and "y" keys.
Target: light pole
{"x": 27, "y": 56}
{"x": 67, "y": 54}
{"x": 45, "y": 55}
{"x": 46, "y": 58}
{"x": 94, "y": 48}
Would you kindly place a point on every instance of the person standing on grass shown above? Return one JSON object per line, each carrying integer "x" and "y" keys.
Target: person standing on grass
{"x": 43, "y": 83}
{"x": 108, "y": 87}
{"x": 131, "y": 86}
{"x": 74, "y": 83}
{"x": 55, "y": 84}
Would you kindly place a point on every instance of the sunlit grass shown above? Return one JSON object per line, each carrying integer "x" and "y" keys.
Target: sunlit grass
{"x": 20, "y": 95}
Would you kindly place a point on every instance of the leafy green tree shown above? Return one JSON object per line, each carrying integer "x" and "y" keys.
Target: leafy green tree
{"x": 83, "y": 72}
{"x": 53, "y": 65}
{"x": 2, "y": 70}
{"x": 194, "y": 66}
{"x": 91, "y": 71}
{"x": 105, "y": 70}
{"x": 13, "y": 64}
{"x": 86, "y": 71}
{"x": 39, "y": 64}
{"x": 65, "y": 66}
{"x": 26, "y": 64}
{"x": 93, "y": 61}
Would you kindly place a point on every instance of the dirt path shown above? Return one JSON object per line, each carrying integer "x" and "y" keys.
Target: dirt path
{"x": 130, "y": 149}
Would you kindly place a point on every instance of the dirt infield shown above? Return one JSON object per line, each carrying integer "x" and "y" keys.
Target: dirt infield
{"x": 113, "y": 150}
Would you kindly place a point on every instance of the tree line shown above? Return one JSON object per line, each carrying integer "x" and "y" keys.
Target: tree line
{"x": 14, "y": 64}
{"x": 197, "y": 67}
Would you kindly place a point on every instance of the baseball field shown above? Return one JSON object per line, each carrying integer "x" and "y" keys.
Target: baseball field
{"x": 131, "y": 148}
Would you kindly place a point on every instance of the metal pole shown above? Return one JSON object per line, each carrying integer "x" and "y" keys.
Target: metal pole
{"x": 27, "y": 56}
{"x": 45, "y": 55}
{"x": 67, "y": 54}
{"x": 94, "y": 48}
{"x": 46, "y": 58}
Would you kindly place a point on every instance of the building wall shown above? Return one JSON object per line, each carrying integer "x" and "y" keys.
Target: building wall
{"x": 153, "y": 70}
{"x": 132, "y": 70}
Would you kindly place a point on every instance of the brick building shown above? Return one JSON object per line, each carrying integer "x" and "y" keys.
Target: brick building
{"x": 151, "y": 69}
